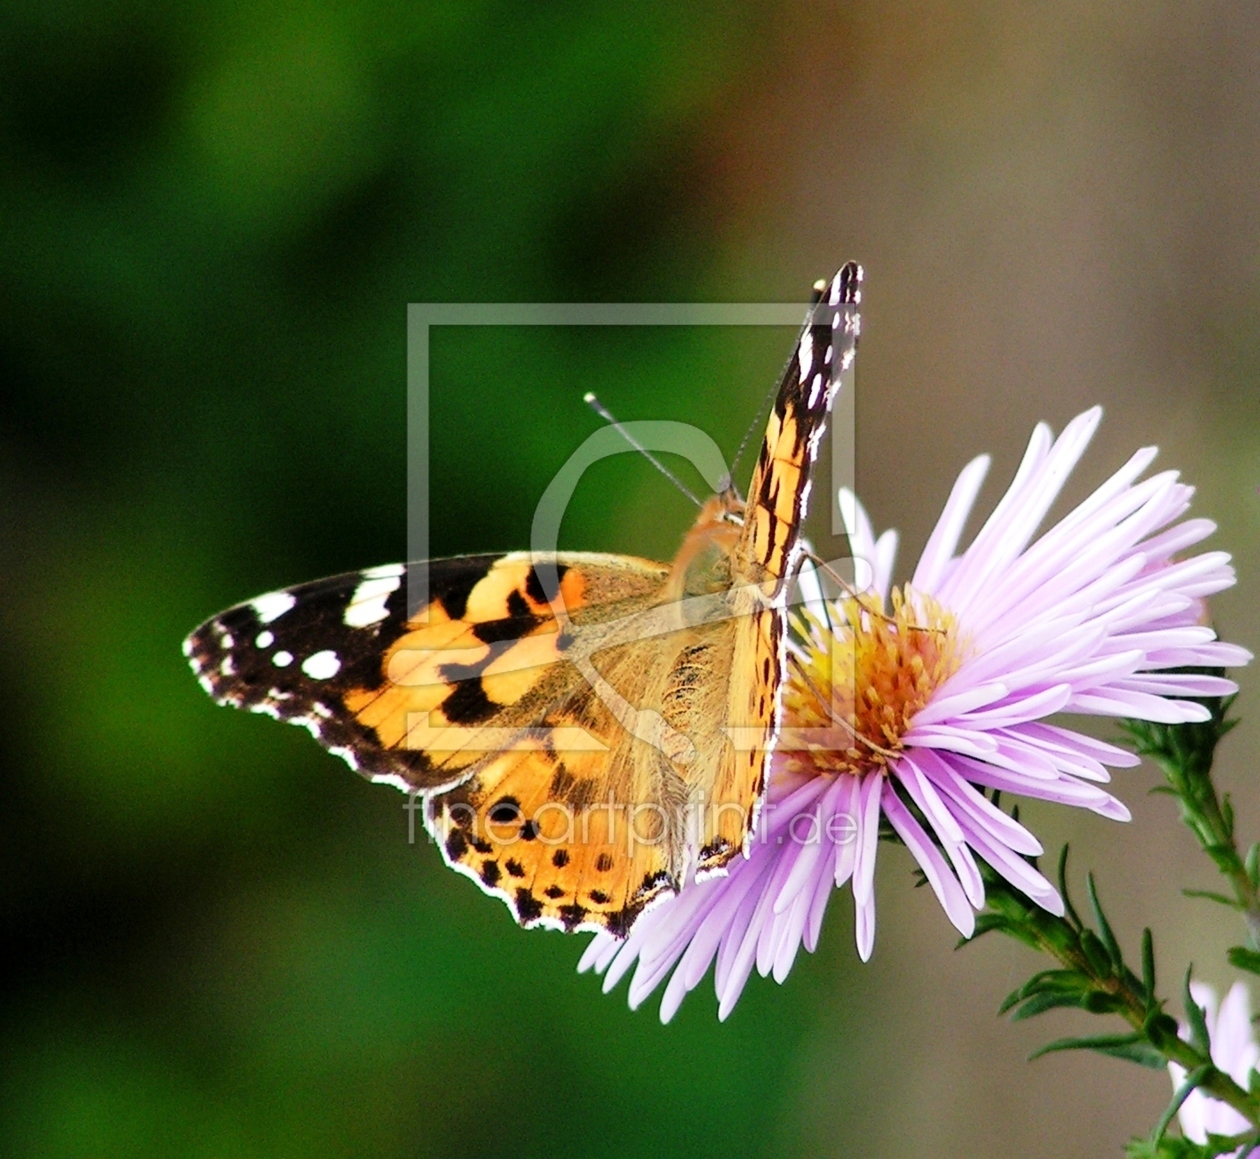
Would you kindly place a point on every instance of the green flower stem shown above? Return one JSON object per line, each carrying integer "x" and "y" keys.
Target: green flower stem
{"x": 1095, "y": 978}
{"x": 1184, "y": 753}
{"x": 1093, "y": 975}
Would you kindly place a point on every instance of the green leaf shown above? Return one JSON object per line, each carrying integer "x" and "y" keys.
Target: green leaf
{"x": 1073, "y": 918}
{"x": 1105, "y": 933}
{"x": 1055, "y": 980}
{"x": 1199, "y": 1038}
{"x": 1097, "y": 953}
{"x": 1040, "y": 1003}
{"x": 1252, "y": 865}
{"x": 1242, "y": 958}
{"x": 1209, "y": 895}
{"x": 1161, "y": 1028}
{"x": 1047, "y": 982}
{"x": 1192, "y": 1080}
{"x": 1132, "y": 1047}
{"x": 1224, "y": 857}
{"x": 1148, "y": 966}
{"x": 1100, "y": 1002}
{"x": 989, "y": 920}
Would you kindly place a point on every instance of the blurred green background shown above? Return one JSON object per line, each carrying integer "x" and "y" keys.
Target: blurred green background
{"x": 212, "y": 216}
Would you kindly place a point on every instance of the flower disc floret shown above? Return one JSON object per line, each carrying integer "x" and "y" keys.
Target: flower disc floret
{"x": 860, "y": 677}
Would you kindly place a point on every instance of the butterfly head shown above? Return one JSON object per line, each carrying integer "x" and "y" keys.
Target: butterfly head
{"x": 703, "y": 563}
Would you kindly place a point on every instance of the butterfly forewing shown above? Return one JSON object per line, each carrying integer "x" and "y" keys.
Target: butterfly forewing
{"x": 767, "y": 552}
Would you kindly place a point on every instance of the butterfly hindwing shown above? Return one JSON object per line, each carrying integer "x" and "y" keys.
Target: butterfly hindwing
{"x": 473, "y": 694}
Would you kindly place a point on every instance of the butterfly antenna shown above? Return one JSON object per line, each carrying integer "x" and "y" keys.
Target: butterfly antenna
{"x": 600, "y": 409}
{"x": 771, "y": 394}
{"x": 752, "y": 426}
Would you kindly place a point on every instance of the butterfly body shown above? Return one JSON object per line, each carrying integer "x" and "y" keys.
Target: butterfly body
{"x": 586, "y": 730}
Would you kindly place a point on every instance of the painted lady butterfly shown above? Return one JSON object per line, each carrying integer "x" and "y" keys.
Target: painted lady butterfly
{"x": 583, "y": 729}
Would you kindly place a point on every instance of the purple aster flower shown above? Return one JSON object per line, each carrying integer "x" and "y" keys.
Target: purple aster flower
{"x": 1234, "y": 1051}
{"x": 903, "y": 705}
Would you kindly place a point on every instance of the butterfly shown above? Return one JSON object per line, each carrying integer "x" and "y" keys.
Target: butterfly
{"x": 585, "y": 731}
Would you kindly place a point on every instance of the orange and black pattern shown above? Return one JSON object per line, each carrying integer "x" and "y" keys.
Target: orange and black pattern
{"x": 581, "y": 736}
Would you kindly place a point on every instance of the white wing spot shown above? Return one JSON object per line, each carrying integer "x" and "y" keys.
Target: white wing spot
{"x": 385, "y": 571}
{"x": 367, "y": 605}
{"x": 815, "y": 389}
{"x": 321, "y": 710}
{"x": 805, "y": 354}
{"x": 272, "y": 605}
{"x": 187, "y": 646}
{"x": 264, "y": 639}
{"x": 227, "y": 641}
{"x": 226, "y": 667}
{"x": 204, "y": 681}
{"x": 322, "y": 665}
{"x": 282, "y": 659}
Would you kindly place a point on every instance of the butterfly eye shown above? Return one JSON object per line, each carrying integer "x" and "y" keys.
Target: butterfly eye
{"x": 504, "y": 812}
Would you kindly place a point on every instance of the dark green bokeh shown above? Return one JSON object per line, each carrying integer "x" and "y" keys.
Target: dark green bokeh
{"x": 220, "y": 941}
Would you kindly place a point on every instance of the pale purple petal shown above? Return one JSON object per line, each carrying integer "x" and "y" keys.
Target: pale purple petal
{"x": 944, "y": 708}
{"x": 857, "y": 525}
{"x": 813, "y": 848}
{"x": 1233, "y": 1048}
{"x": 1064, "y": 740}
{"x": 1019, "y": 514}
{"x": 1139, "y": 705}
{"x": 1018, "y": 709}
{"x": 848, "y": 806}
{"x": 944, "y": 884}
{"x": 885, "y": 557}
{"x": 943, "y": 541}
{"x": 966, "y": 801}
{"x": 817, "y": 909}
{"x": 1178, "y": 684}
{"x": 867, "y": 838}
{"x": 600, "y": 950}
{"x": 1186, "y": 534}
{"x": 945, "y": 826}
{"x": 959, "y": 740}
{"x": 864, "y": 927}
{"x": 811, "y": 590}
{"x": 1012, "y": 867}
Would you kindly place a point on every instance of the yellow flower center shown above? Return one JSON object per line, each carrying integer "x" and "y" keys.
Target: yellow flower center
{"x": 862, "y": 679}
